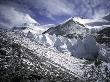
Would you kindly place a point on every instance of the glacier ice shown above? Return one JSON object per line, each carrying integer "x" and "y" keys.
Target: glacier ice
{"x": 85, "y": 48}
{"x": 90, "y": 46}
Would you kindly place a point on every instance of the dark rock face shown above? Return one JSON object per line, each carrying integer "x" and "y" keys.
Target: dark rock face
{"x": 104, "y": 36}
{"x": 98, "y": 23}
{"x": 105, "y": 31}
{"x": 12, "y": 67}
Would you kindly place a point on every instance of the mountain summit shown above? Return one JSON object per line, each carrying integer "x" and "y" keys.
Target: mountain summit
{"x": 70, "y": 28}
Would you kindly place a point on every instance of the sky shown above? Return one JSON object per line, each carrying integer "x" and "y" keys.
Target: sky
{"x": 15, "y": 12}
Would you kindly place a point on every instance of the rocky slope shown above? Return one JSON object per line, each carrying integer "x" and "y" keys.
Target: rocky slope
{"x": 24, "y": 60}
{"x": 103, "y": 36}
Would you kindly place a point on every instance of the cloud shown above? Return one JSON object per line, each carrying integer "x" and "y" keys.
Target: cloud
{"x": 99, "y": 14}
{"x": 84, "y": 8}
{"x": 48, "y": 8}
{"x": 52, "y": 8}
{"x": 98, "y": 8}
{"x": 14, "y": 17}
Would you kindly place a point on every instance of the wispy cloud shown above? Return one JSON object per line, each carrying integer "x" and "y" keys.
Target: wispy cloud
{"x": 52, "y": 8}
{"x": 99, "y": 14}
{"x": 14, "y": 17}
{"x": 87, "y": 8}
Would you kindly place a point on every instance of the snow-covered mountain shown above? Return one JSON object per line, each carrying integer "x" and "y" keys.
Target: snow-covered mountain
{"x": 34, "y": 28}
{"x": 78, "y": 27}
{"x": 70, "y": 28}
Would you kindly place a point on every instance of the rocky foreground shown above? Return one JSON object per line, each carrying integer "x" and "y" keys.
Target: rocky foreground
{"x": 22, "y": 60}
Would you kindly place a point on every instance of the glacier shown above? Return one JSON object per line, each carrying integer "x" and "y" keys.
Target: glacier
{"x": 35, "y": 58}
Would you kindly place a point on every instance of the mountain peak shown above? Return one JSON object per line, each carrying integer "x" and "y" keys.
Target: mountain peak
{"x": 69, "y": 28}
